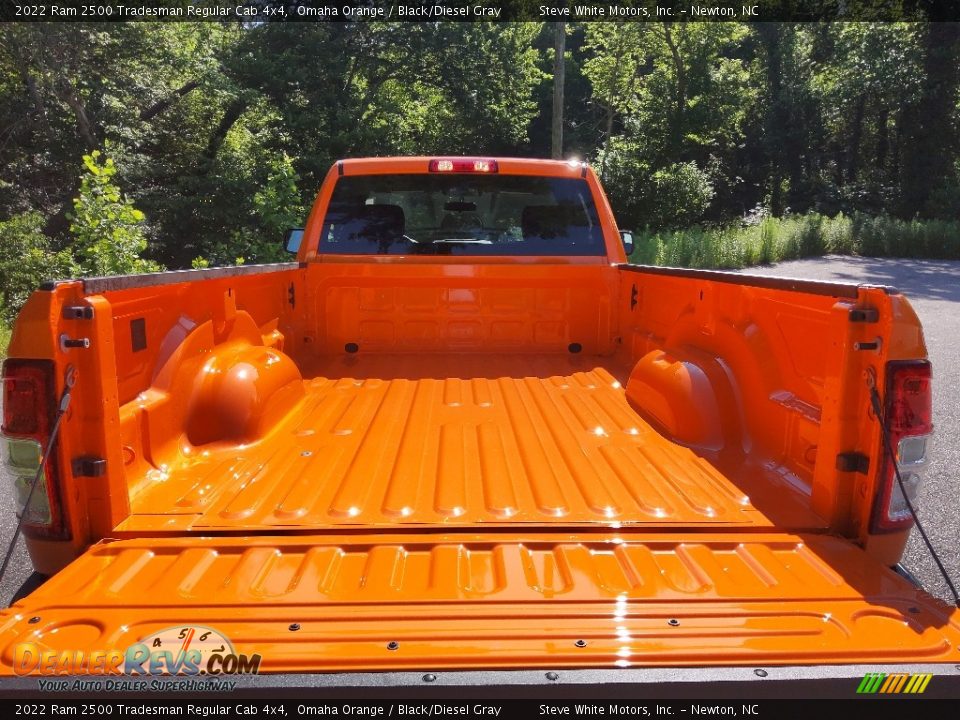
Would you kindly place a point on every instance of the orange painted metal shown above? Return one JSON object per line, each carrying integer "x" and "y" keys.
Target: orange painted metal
{"x": 456, "y": 440}
{"x": 113, "y": 377}
{"x": 467, "y": 308}
{"x": 742, "y": 372}
{"x": 483, "y": 459}
{"x": 494, "y": 601}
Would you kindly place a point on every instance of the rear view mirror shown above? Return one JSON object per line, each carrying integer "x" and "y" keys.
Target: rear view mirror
{"x": 460, "y": 206}
{"x": 292, "y": 239}
{"x": 626, "y": 237}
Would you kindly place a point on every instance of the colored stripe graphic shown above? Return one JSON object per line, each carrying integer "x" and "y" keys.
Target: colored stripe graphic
{"x": 918, "y": 683}
{"x": 870, "y": 683}
{"x": 894, "y": 683}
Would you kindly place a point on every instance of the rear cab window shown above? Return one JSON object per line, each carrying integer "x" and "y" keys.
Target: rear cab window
{"x": 461, "y": 214}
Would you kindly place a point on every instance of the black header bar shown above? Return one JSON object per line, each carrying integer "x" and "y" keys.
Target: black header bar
{"x": 262, "y": 11}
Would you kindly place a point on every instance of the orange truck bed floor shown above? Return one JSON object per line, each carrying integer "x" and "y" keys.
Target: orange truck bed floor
{"x": 486, "y": 600}
{"x": 460, "y": 441}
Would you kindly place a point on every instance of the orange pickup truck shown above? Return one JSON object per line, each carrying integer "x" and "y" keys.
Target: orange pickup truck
{"x": 461, "y": 434}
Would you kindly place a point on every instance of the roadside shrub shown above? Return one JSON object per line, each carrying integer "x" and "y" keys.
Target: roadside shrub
{"x": 108, "y": 239}
{"x": 26, "y": 261}
{"x": 886, "y": 236}
{"x": 838, "y": 235}
{"x": 672, "y": 196}
{"x": 108, "y": 229}
{"x": 768, "y": 239}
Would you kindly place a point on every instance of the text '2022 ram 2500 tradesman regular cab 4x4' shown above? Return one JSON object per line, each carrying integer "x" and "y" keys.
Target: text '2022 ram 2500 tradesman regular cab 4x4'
{"x": 461, "y": 433}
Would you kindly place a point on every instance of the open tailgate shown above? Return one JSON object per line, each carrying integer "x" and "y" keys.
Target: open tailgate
{"x": 417, "y": 601}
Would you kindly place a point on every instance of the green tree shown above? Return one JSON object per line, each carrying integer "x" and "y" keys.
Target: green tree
{"x": 278, "y": 203}
{"x": 108, "y": 229}
{"x": 276, "y": 208}
{"x": 687, "y": 122}
{"x": 932, "y": 127}
{"x": 863, "y": 74}
{"x": 27, "y": 260}
{"x": 678, "y": 94}
{"x": 616, "y": 61}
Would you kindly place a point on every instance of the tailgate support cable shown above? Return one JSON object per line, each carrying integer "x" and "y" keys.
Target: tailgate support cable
{"x": 69, "y": 379}
{"x": 888, "y": 446}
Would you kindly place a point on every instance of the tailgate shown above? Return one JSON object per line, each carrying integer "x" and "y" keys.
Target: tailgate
{"x": 409, "y": 601}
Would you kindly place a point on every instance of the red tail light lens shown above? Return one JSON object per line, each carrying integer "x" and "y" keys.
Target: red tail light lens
{"x": 25, "y": 388}
{"x": 909, "y": 400}
{"x": 463, "y": 165}
{"x": 29, "y": 409}
{"x": 909, "y": 419}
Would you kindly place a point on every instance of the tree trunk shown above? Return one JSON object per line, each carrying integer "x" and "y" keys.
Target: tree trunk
{"x": 777, "y": 115}
{"x": 896, "y": 159}
{"x": 606, "y": 139}
{"x": 67, "y": 93}
{"x": 836, "y": 150}
{"x": 559, "y": 48}
{"x": 856, "y": 135}
{"x": 680, "y": 92}
{"x": 611, "y": 92}
{"x": 883, "y": 141}
{"x": 162, "y": 105}
{"x": 230, "y": 116}
{"x": 31, "y": 84}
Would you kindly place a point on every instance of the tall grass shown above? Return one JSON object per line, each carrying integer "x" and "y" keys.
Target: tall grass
{"x": 797, "y": 236}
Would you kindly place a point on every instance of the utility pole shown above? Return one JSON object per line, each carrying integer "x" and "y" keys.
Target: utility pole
{"x": 559, "y": 47}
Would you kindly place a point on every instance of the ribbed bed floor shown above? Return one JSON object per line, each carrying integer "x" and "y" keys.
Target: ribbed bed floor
{"x": 462, "y": 440}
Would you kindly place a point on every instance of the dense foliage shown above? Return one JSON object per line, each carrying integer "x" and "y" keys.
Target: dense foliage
{"x": 214, "y": 136}
{"x": 106, "y": 238}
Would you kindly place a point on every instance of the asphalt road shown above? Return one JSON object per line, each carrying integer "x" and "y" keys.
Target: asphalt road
{"x": 934, "y": 290}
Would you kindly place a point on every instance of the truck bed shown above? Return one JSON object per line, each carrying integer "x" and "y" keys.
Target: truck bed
{"x": 387, "y": 461}
{"x": 463, "y": 440}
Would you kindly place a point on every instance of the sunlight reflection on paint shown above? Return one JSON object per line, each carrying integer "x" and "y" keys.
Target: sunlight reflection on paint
{"x": 620, "y": 608}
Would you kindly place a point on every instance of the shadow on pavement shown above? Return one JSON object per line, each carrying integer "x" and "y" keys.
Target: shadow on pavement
{"x": 929, "y": 279}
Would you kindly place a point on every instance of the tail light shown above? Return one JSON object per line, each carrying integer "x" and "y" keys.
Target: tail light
{"x": 463, "y": 165}
{"x": 29, "y": 410}
{"x": 909, "y": 419}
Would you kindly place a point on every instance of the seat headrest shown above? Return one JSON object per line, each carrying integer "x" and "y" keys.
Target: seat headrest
{"x": 545, "y": 221}
{"x": 381, "y": 220}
